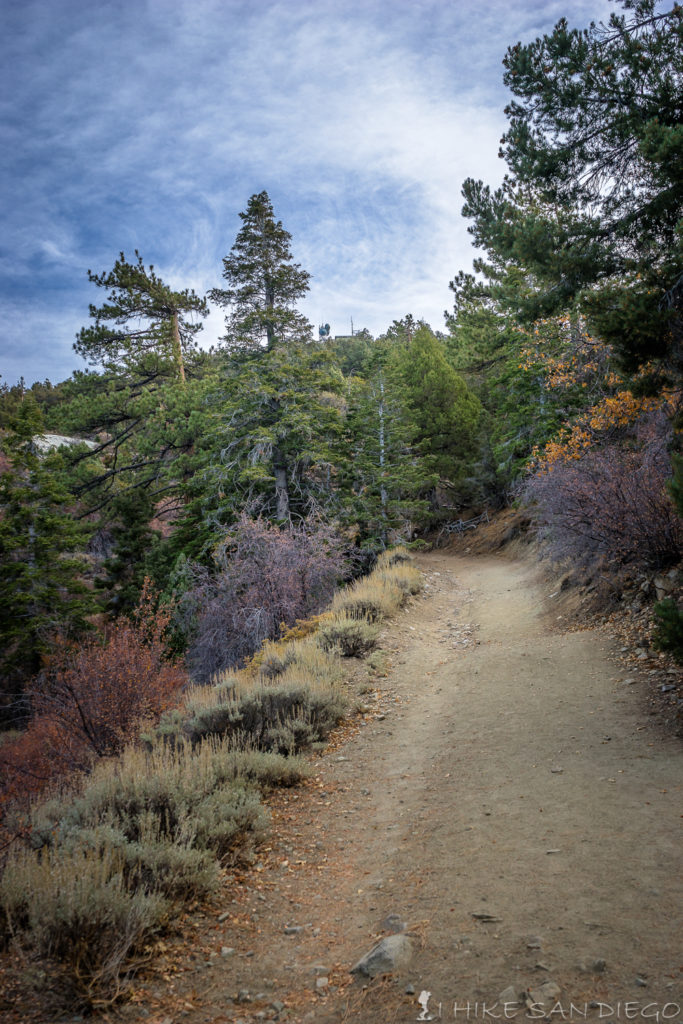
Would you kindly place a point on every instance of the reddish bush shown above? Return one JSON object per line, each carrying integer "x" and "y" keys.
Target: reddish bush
{"x": 611, "y": 505}
{"x": 91, "y": 699}
{"x": 267, "y": 578}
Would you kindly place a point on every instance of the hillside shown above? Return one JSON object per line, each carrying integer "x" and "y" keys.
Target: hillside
{"x": 503, "y": 792}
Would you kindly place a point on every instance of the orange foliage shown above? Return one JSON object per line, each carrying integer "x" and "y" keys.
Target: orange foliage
{"x": 91, "y": 700}
{"x": 611, "y": 412}
{"x": 568, "y": 356}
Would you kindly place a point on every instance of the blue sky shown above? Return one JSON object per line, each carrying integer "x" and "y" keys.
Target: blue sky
{"x": 148, "y": 124}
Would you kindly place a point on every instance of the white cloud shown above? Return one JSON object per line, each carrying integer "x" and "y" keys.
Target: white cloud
{"x": 149, "y": 125}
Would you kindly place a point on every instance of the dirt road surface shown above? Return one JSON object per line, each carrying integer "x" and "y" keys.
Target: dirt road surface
{"x": 504, "y": 795}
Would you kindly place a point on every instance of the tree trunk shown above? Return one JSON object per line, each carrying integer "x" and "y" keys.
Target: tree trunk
{"x": 382, "y": 458}
{"x": 177, "y": 348}
{"x": 281, "y": 489}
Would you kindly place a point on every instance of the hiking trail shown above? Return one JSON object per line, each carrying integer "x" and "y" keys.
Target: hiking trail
{"x": 504, "y": 794}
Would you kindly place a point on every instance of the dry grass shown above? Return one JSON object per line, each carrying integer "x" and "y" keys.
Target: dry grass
{"x": 147, "y": 829}
{"x": 352, "y": 637}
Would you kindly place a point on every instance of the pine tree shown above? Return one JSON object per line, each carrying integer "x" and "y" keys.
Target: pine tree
{"x": 144, "y": 328}
{"x": 263, "y": 282}
{"x": 594, "y": 205}
{"x": 446, "y": 413}
{"x": 386, "y": 477}
{"x": 41, "y": 586}
{"x": 274, "y": 446}
{"x": 142, "y": 404}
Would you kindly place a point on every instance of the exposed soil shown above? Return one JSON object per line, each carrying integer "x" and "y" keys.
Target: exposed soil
{"x": 503, "y": 791}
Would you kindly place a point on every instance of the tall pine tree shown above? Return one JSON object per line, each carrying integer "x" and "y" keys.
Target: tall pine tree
{"x": 263, "y": 282}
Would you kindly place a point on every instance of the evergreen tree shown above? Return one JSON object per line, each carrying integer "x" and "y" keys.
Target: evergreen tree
{"x": 386, "y": 476}
{"x": 41, "y": 587}
{"x": 274, "y": 447}
{"x": 594, "y": 206}
{"x": 143, "y": 405}
{"x": 144, "y": 328}
{"x": 134, "y": 543}
{"x": 446, "y": 413}
{"x": 263, "y": 282}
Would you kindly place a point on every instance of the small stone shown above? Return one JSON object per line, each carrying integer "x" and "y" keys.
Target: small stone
{"x": 410, "y": 990}
{"x": 533, "y": 942}
{"x": 243, "y": 996}
{"x": 640, "y": 982}
{"x": 392, "y": 952}
{"x": 509, "y": 995}
{"x": 321, "y": 983}
{"x": 293, "y": 929}
{"x": 545, "y": 993}
{"x": 599, "y": 966}
{"x": 394, "y": 924}
{"x": 277, "y": 1006}
{"x": 227, "y": 951}
{"x": 224, "y": 916}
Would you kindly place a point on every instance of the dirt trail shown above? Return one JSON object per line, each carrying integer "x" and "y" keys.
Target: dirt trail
{"x": 506, "y": 771}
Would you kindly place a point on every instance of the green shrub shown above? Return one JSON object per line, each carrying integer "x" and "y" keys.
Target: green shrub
{"x": 228, "y": 822}
{"x": 352, "y": 637}
{"x": 668, "y": 635}
{"x": 72, "y": 908}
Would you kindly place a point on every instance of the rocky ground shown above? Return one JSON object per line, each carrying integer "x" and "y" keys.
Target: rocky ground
{"x": 503, "y": 806}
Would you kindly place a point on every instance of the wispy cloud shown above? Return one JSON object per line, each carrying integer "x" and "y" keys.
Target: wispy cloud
{"x": 148, "y": 124}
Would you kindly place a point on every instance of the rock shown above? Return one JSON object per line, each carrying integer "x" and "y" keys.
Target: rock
{"x": 394, "y": 924}
{"x": 509, "y": 995}
{"x": 545, "y": 993}
{"x": 533, "y": 942}
{"x": 599, "y": 966}
{"x": 409, "y": 990}
{"x": 277, "y": 1006}
{"x": 293, "y": 929}
{"x": 224, "y": 916}
{"x": 392, "y": 952}
{"x": 640, "y": 982}
{"x": 321, "y": 983}
{"x": 243, "y": 996}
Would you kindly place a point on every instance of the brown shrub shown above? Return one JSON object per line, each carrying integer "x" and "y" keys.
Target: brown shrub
{"x": 268, "y": 579}
{"x": 611, "y": 506}
{"x": 90, "y": 701}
